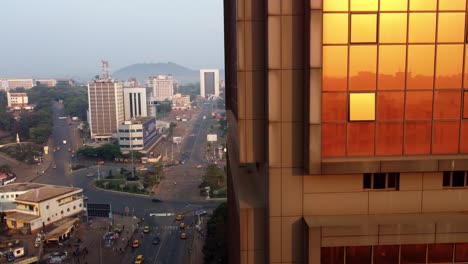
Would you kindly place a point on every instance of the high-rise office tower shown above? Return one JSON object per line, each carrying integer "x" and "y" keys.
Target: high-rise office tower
{"x": 163, "y": 86}
{"x": 135, "y": 102}
{"x": 348, "y": 134}
{"x": 209, "y": 82}
{"x": 106, "y": 110}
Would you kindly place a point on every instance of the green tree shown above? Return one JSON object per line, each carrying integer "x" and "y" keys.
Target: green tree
{"x": 5, "y": 168}
{"x": 215, "y": 247}
{"x": 192, "y": 89}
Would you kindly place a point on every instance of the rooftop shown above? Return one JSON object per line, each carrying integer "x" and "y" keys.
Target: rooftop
{"x": 138, "y": 120}
{"x": 45, "y": 193}
{"x": 18, "y": 187}
{"x": 22, "y": 217}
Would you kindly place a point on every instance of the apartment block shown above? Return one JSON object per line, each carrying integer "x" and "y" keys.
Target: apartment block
{"x": 8, "y": 84}
{"x": 348, "y": 134}
{"x": 106, "y": 108}
{"x": 181, "y": 102}
{"x": 135, "y": 102}
{"x": 17, "y": 100}
{"x": 163, "y": 87}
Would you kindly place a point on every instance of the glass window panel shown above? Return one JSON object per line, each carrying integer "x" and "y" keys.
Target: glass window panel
{"x": 335, "y": 67}
{"x": 333, "y": 140}
{"x": 390, "y": 105}
{"x": 367, "y": 181}
{"x": 451, "y": 27}
{"x": 358, "y": 254}
{"x": 392, "y": 67}
{"x": 362, "y": 68}
{"x": 447, "y": 104}
{"x": 362, "y": 106}
{"x": 449, "y": 66}
{"x": 379, "y": 181}
{"x": 332, "y": 255}
{"x": 464, "y": 138}
{"x": 363, "y": 28}
{"x": 392, "y": 28}
{"x": 389, "y": 138}
{"x": 364, "y": 5}
{"x": 334, "y": 107}
{"x": 465, "y": 104}
{"x": 420, "y": 67}
{"x": 393, "y": 5}
{"x": 335, "y": 5}
{"x": 361, "y": 138}
{"x": 446, "y": 137}
{"x": 419, "y": 105}
{"x": 446, "y": 176}
{"x": 417, "y": 138}
{"x": 452, "y": 4}
{"x": 422, "y": 27}
{"x": 423, "y": 5}
{"x": 440, "y": 253}
{"x": 458, "y": 178}
{"x": 335, "y": 28}
{"x": 393, "y": 179}
{"x": 461, "y": 252}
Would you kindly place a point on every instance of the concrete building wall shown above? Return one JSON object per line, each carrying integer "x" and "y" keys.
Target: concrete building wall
{"x": 61, "y": 207}
{"x": 135, "y": 102}
{"x": 209, "y": 82}
{"x": 163, "y": 87}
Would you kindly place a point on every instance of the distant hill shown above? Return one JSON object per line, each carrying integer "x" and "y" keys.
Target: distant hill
{"x": 141, "y": 71}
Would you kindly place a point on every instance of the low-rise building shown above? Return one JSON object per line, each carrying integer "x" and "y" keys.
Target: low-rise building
{"x": 8, "y": 84}
{"x": 136, "y": 134}
{"x": 39, "y": 205}
{"x": 181, "y": 102}
{"x": 47, "y": 82}
{"x": 17, "y": 100}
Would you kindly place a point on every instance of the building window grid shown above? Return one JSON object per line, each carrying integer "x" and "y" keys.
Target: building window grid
{"x": 407, "y": 44}
{"x": 381, "y": 181}
{"x": 455, "y": 179}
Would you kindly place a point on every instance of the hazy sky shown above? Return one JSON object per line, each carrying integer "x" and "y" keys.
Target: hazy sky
{"x": 63, "y": 38}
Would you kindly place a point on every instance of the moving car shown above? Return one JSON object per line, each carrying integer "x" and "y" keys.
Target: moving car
{"x": 179, "y": 217}
{"x": 182, "y": 225}
{"x": 136, "y": 243}
{"x": 156, "y": 240}
{"x": 139, "y": 259}
{"x": 183, "y": 235}
{"x": 146, "y": 229}
{"x": 156, "y": 200}
{"x": 90, "y": 174}
{"x": 199, "y": 166}
{"x": 54, "y": 167}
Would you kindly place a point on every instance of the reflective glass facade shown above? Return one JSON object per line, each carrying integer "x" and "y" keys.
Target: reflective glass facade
{"x": 395, "y": 78}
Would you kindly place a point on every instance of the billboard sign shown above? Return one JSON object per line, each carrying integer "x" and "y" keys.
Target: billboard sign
{"x": 149, "y": 130}
{"x": 211, "y": 137}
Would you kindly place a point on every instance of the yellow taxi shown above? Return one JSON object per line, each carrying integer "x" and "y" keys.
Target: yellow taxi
{"x": 199, "y": 166}
{"x": 139, "y": 259}
{"x": 136, "y": 243}
{"x": 183, "y": 235}
{"x": 146, "y": 229}
{"x": 90, "y": 174}
{"x": 182, "y": 225}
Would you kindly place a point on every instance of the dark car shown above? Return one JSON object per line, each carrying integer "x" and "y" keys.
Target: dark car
{"x": 155, "y": 200}
{"x": 10, "y": 257}
{"x": 156, "y": 240}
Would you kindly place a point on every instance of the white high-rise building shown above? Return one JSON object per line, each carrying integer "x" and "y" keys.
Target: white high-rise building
{"x": 106, "y": 108}
{"x": 209, "y": 82}
{"x": 135, "y": 102}
{"x": 163, "y": 87}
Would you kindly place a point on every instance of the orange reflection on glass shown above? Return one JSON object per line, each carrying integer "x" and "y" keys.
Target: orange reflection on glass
{"x": 393, "y": 5}
{"x": 362, "y": 67}
{"x": 422, "y": 27}
{"x": 419, "y": 105}
{"x": 335, "y": 5}
{"x": 392, "y": 67}
{"x": 449, "y": 66}
{"x": 447, "y": 104}
{"x": 389, "y": 140}
{"x": 363, "y": 28}
{"x": 446, "y": 137}
{"x": 464, "y": 142}
{"x": 392, "y": 28}
{"x": 465, "y": 106}
{"x": 452, "y": 4}
{"x": 390, "y": 106}
{"x": 361, "y": 106}
{"x": 335, "y": 68}
{"x": 334, "y": 107}
{"x": 335, "y": 28}
{"x": 333, "y": 140}
{"x": 420, "y": 66}
{"x": 418, "y": 139}
{"x": 423, "y": 5}
{"x": 364, "y": 5}
{"x": 361, "y": 138}
{"x": 451, "y": 27}
{"x": 465, "y": 74}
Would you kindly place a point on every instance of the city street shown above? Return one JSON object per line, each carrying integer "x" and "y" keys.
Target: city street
{"x": 180, "y": 198}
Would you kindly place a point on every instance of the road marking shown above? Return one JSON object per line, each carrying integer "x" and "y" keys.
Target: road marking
{"x": 161, "y": 214}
